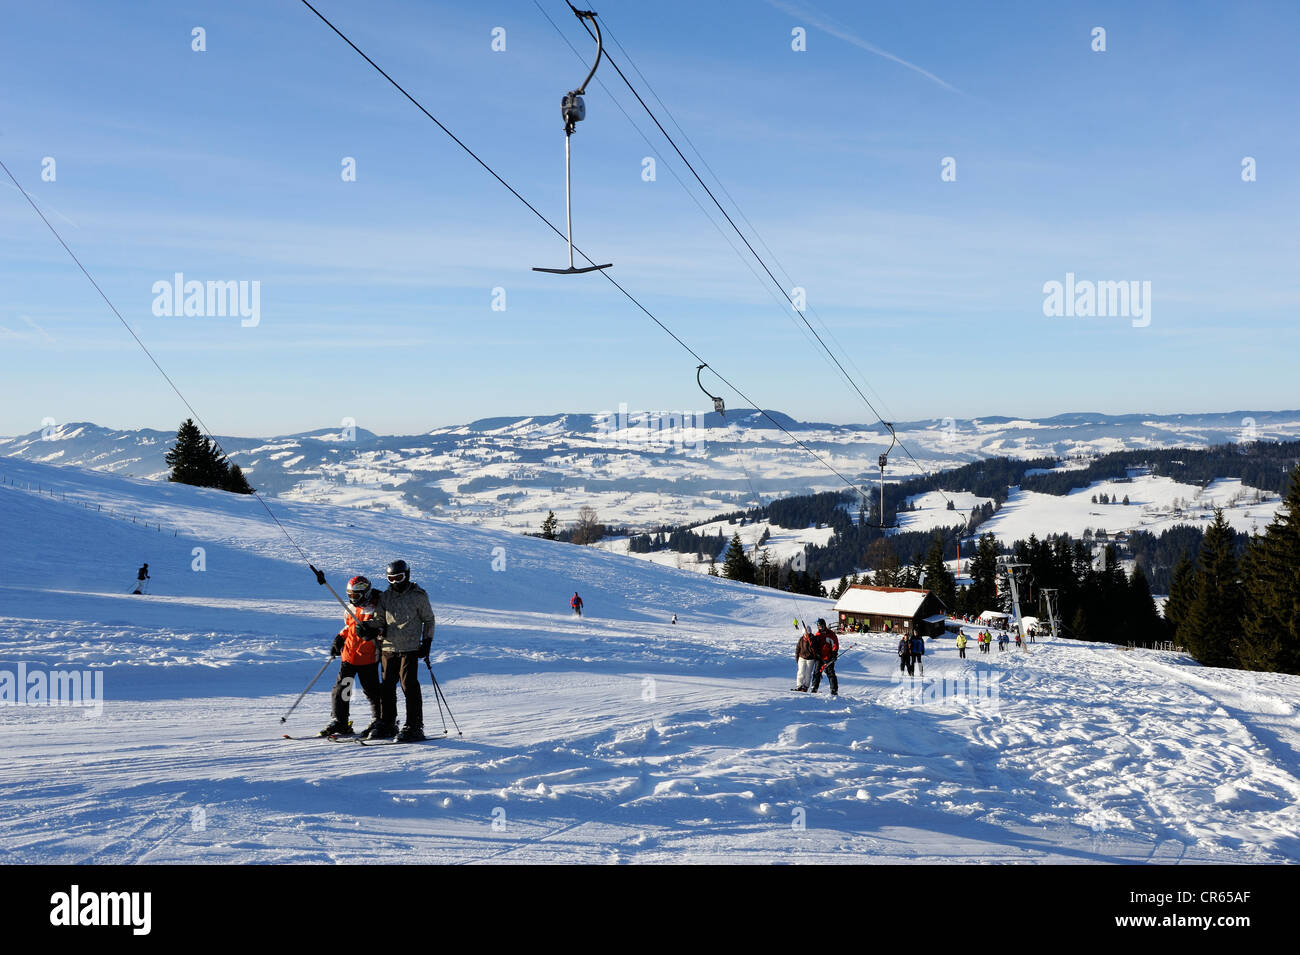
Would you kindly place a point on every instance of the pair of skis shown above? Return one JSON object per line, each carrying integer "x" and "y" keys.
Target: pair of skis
{"x": 336, "y": 738}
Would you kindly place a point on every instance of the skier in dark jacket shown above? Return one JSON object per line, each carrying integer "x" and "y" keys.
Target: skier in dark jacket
{"x": 355, "y": 643}
{"x": 918, "y": 653}
{"x": 827, "y": 645}
{"x": 805, "y": 653}
{"x": 905, "y": 656}
{"x": 405, "y": 619}
{"x": 576, "y": 603}
{"x": 141, "y": 576}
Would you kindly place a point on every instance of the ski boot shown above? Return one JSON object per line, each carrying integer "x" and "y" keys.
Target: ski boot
{"x": 411, "y": 734}
{"x": 337, "y": 728}
{"x": 378, "y": 730}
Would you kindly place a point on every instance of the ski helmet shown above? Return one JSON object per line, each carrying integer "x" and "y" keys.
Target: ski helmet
{"x": 358, "y": 590}
{"x": 398, "y": 572}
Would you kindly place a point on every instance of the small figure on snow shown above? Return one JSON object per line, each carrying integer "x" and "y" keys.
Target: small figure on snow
{"x": 576, "y": 603}
{"x": 905, "y": 656}
{"x": 805, "y": 654}
{"x": 141, "y": 580}
{"x": 961, "y": 644}
{"x": 356, "y": 644}
{"x": 1002, "y": 641}
{"x": 674, "y": 618}
{"x": 918, "y": 654}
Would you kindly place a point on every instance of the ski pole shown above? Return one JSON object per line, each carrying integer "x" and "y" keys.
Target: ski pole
{"x": 436, "y": 696}
{"x": 309, "y": 686}
{"x": 438, "y": 691}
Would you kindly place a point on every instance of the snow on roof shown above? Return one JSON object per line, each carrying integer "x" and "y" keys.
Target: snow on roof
{"x": 937, "y": 618}
{"x": 890, "y": 601}
{"x": 994, "y": 615}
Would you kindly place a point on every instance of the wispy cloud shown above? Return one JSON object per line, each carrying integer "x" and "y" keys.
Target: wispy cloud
{"x": 834, "y": 29}
{"x": 37, "y": 335}
{"x": 39, "y": 203}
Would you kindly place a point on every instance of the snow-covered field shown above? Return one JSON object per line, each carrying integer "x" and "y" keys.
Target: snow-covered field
{"x": 618, "y": 737}
{"x": 1155, "y": 504}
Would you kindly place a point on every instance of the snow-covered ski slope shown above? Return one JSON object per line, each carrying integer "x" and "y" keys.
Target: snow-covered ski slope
{"x": 618, "y": 737}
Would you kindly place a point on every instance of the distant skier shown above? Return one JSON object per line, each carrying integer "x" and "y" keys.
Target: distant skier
{"x": 576, "y": 603}
{"x": 1019, "y": 644}
{"x": 674, "y": 618}
{"x": 141, "y": 580}
{"x": 961, "y": 644}
{"x": 406, "y": 620}
{"x": 805, "y": 654}
{"x": 918, "y": 653}
{"x": 1002, "y": 641}
{"x": 905, "y": 656}
{"x": 360, "y": 660}
{"x": 827, "y": 645}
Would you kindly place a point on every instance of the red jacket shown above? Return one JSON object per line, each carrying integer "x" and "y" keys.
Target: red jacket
{"x": 356, "y": 650}
{"x": 828, "y": 645}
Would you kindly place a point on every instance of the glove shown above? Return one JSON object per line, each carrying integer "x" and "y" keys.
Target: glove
{"x": 425, "y": 646}
{"x": 368, "y": 629}
{"x": 336, "y": 647}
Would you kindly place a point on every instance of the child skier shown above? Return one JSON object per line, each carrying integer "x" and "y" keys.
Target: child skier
{"x": 360, "y": 660}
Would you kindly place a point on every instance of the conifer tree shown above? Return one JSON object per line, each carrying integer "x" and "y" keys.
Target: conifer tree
{"x": 938, "y": 578}
{"x": 236, "y": 483}
{"x": 549, "y": 523}
{"x": 1180, "y": 593}
{"x": 737, "y": 565}
{"x": 1271, "y": 624}
{"x": 196, "y": 461}
{"x": 1142, "y": 622}
{"x": 1212, "y": 624}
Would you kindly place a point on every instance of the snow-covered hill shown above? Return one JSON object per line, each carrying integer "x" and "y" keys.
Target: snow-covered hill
{"x": 637, "y": 469}
{"x": 618, "y": 737}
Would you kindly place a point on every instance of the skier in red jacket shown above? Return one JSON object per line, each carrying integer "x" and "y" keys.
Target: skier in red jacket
{"x": 827, "y": 645}
{"x": 576, "y": 604}
{"x": 360, "y": 659}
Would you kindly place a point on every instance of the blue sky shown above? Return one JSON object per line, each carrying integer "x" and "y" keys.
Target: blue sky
{"x": 376, "y": 294}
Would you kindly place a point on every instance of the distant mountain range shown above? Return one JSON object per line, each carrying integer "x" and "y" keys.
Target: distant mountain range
{"x": 635, "y": 469}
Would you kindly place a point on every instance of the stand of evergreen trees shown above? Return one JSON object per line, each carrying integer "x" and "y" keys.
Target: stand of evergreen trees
{"x": 1262, "y": 464}
{"x": 1243, "y": 612}
{"x": 196, "y": 461}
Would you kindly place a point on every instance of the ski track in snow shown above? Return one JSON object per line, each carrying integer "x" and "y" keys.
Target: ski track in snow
{"x": 614, "y": 738}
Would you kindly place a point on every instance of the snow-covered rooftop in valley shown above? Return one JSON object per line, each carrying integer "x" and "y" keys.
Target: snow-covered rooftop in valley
{"x": 617, "y": 736}
{"x": 891, "y": 601}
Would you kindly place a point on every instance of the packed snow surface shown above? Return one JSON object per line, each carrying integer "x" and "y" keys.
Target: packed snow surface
{"x": 618, "y": 737}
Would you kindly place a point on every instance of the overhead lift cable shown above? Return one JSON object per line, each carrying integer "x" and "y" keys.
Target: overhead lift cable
{"x": 847, "y": 377}
{"x": 320, "y": 576}
{"x": 609, "y": 278}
